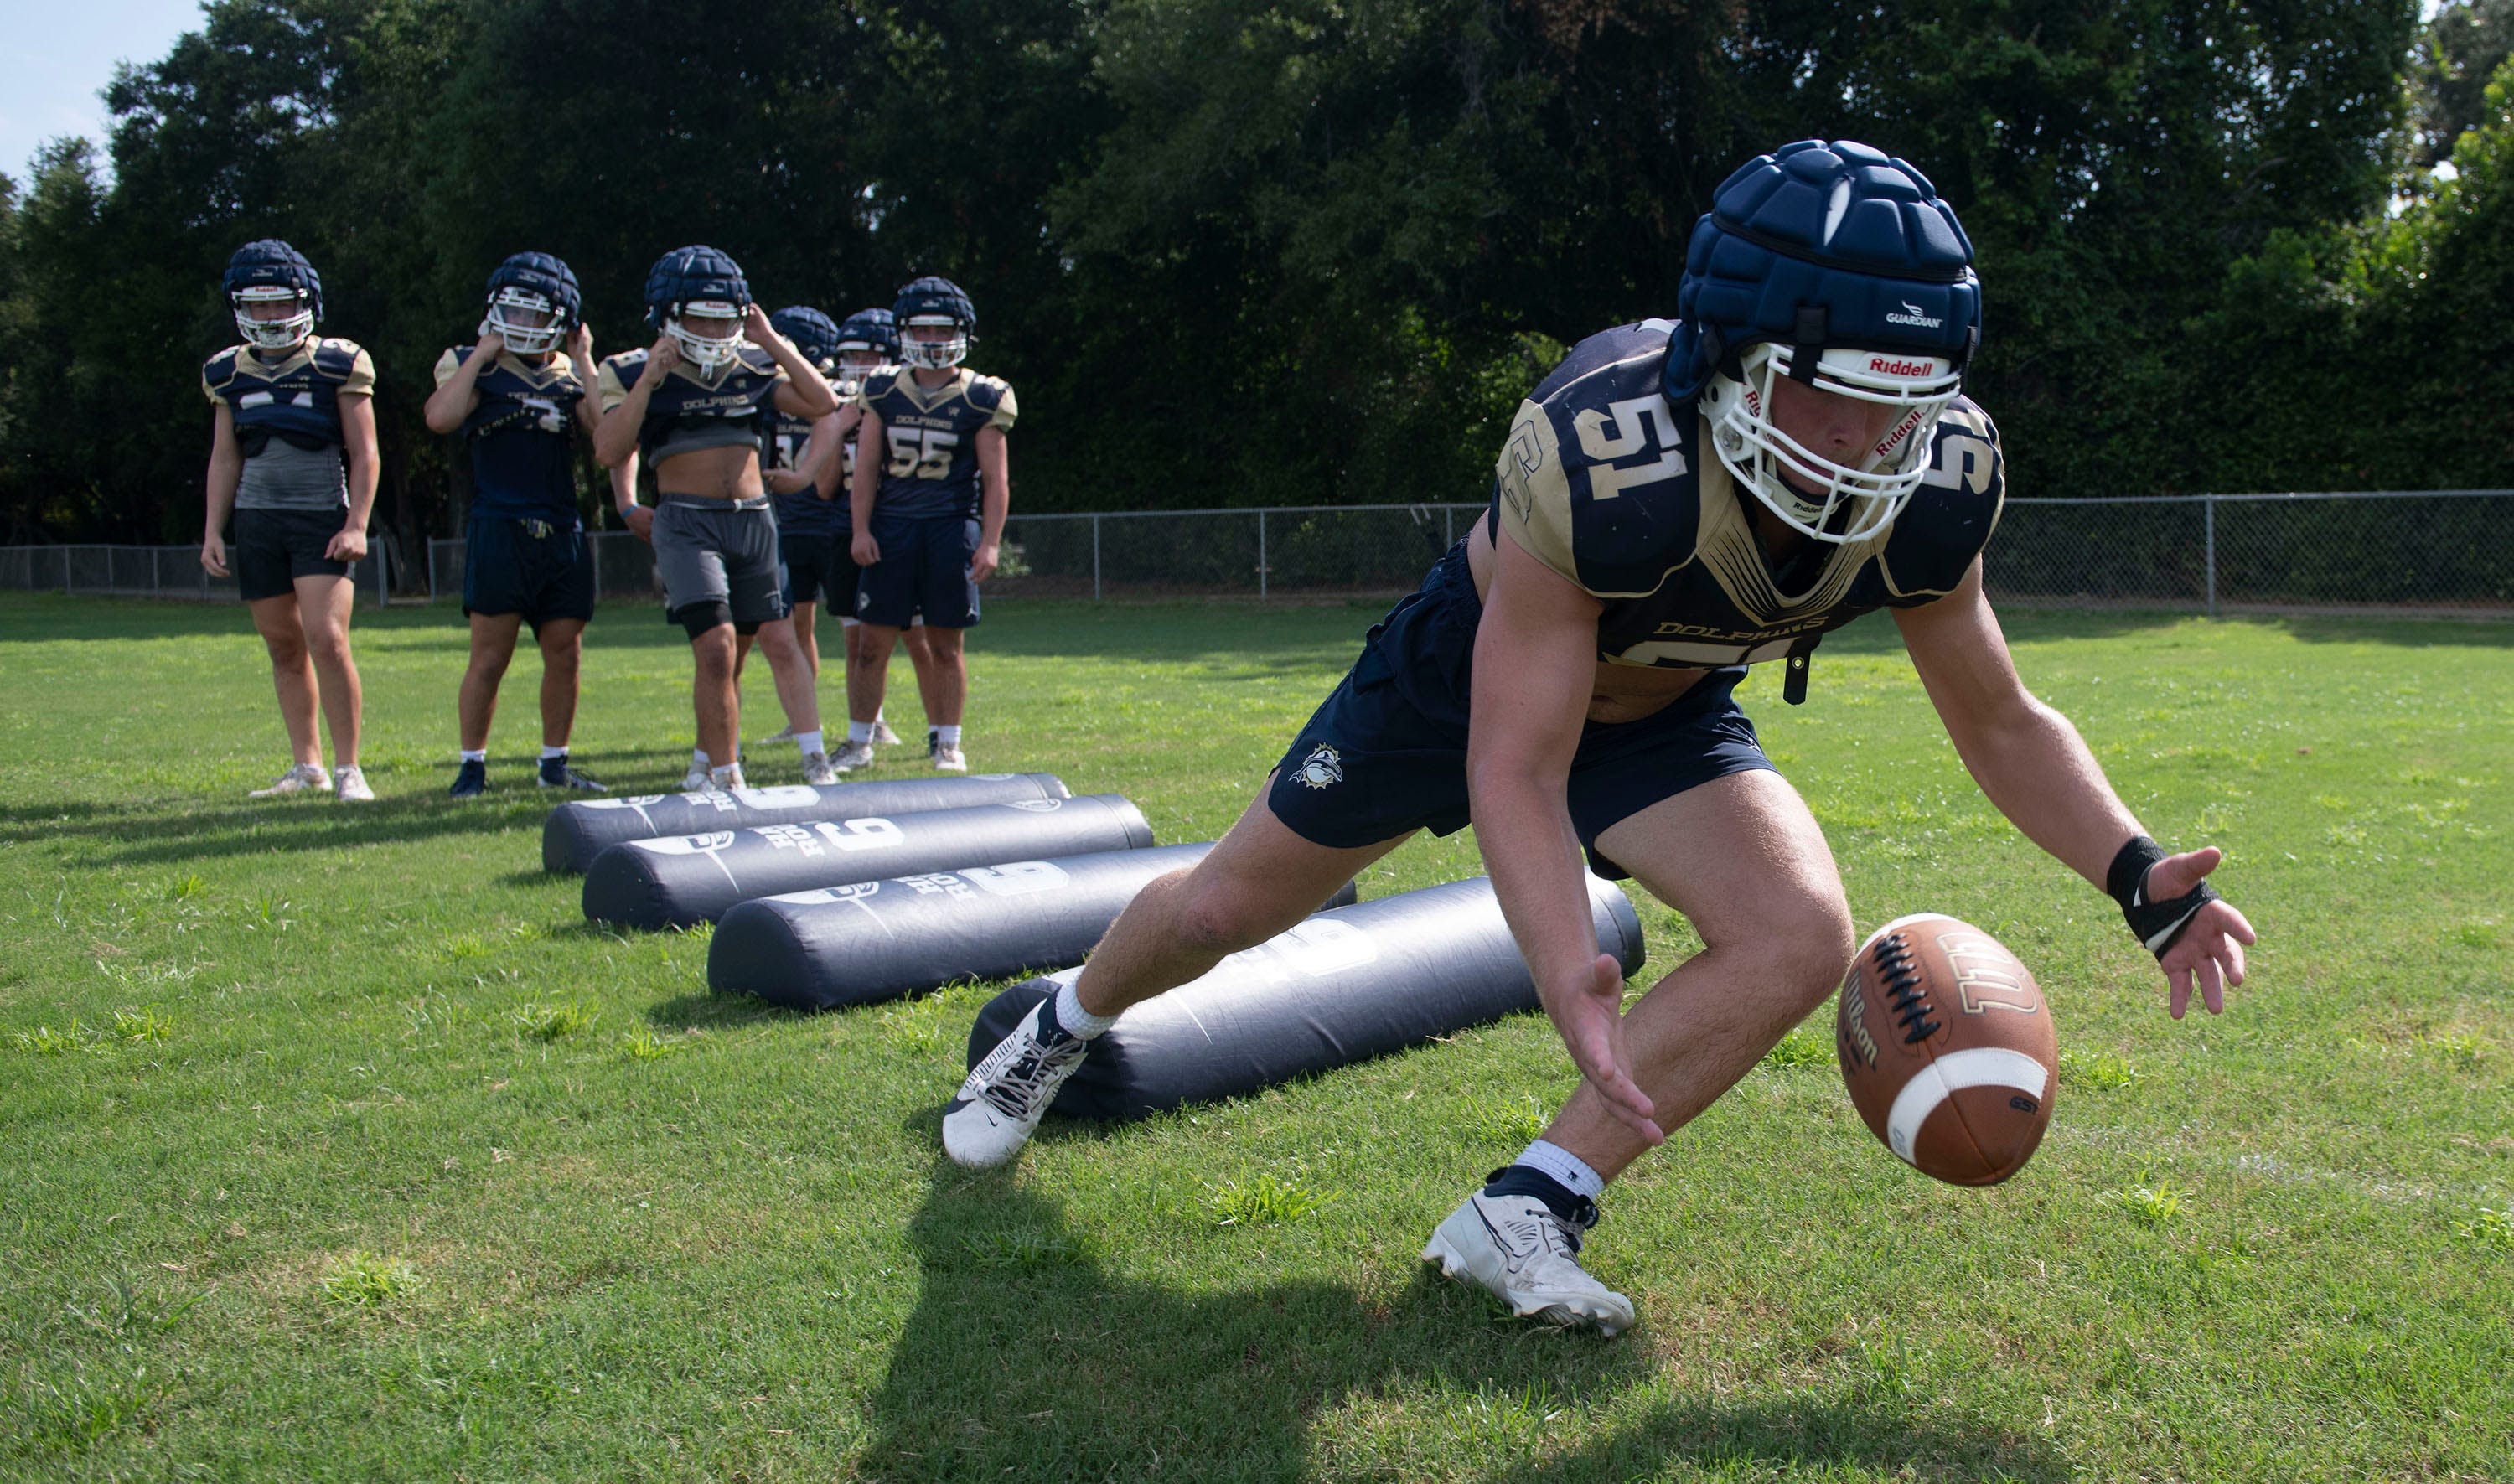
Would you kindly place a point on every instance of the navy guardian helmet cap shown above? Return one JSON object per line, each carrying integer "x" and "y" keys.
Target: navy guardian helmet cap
{"x": 704, "y": 281}
{"x": 1836, "y": 265}
{"x": 268, "y": 270}
{"x": 934, "y": 303}
{"x": 812, "y": 332}
{"x": 872, "y": 330}
{"x": 537, "y": 283}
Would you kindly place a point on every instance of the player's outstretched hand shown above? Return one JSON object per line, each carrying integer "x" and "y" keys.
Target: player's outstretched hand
{"x": 1592, "y": 1027}
{"x": 864, "y": 549}
{"x": 214, "y": 555}
{"x": 2209, "y": 954}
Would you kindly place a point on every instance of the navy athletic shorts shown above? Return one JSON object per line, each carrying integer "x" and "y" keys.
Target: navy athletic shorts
{"x": 540, "y": 569}
{"x": 819, "y": 569}
{"x": 924, "y": 568}
{"x": 1387, "y": 753}
{"x": 273, "y": 548}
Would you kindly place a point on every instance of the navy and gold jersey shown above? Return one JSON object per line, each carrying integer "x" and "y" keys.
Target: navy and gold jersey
{"x": 691, "y": 411}
{"x": 1606, "y": 484}
{"x": 930, "y": 460}
{"x": 804, "y": 513}
{"x": 297, "y": 399}
{"x": 523, "y": 460}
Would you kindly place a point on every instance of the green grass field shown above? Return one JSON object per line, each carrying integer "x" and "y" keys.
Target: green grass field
{"x": 338, "y": 1147}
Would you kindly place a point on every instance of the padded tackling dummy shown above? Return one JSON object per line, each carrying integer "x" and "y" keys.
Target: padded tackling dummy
{"x": 680, "y": 880}
{"x": 1343, "y": 987}
{"x": 575, "y": 833}
{"x": 880, "y": 940}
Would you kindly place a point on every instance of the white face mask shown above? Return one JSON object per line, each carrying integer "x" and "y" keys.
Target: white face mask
{"x": 853, "y": 367}
{"x": 505, "y": 308}
{"x": 1849, "y": 503}
{"x": 273, "y": 333}
{"x": 708, "y": 351}
{"x": 938, "y": 354}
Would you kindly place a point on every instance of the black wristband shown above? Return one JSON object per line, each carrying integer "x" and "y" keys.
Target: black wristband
{"x": 2156, "y": 924}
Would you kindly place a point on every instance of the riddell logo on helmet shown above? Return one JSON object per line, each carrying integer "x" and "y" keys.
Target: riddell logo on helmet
{"x": 1888, "y": 366}
{"x": 1914, "y": 315}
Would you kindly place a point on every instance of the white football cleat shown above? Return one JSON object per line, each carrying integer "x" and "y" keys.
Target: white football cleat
{"x": 949, "y": 760}
{"x": 817, "y": 769}
{"x": 1528, "y": 1258}
{"x": 695, "y": 779}
{"x": 853, "y": 755}
{"x": 297, "y": 780}
{"x": 998, "y": 1108}
{"x": 883, "y": 735}
{"x": 349, "y": 786}
{"x": 784, "y": 734}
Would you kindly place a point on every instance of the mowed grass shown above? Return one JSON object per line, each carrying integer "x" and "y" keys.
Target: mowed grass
{"x": 338, "y": 1146}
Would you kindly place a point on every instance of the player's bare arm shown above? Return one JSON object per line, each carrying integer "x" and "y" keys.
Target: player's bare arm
{"x": 1535, "y": 651}
{"x": 813, "y": 465}
{"x": 580, "y": 356}
{"x": 358, "y": 447}
{"x": 804, "y": 393}
{"x": 226, "y": 469}
{"x": 615, "y": 437}
{"x": 624, "y": 499}
{"x": 460, "y": 396}
{"x": 994, "y": 503}
{"x": 860, "y": 492}
{"x": 2036, "y": 769}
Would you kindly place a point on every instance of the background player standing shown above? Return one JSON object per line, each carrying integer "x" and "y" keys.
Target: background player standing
{"x": 1678, "y": 501}
{"x": 292, "y": 454}
{"x": 512, "y": 398}
{"x": 930, "y": 507}
{"x": 801, "y": 479}
{"x": 695, "y": 404}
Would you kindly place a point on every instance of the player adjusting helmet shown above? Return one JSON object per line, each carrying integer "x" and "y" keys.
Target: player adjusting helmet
{"x": 531, "y": 283}
{"x": 270, "y": 272}
{"x": 812, "y": 333}
{"x": 1838, "y": 266}
{"x": 934, "y": 303}
{"x": 867, "y": 341}
{"x": 702, "y": 282}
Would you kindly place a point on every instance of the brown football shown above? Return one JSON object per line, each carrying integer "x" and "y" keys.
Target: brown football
{"x": 1947, "y": 1048}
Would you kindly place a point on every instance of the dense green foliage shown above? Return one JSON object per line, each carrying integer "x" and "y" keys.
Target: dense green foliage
{"x": 1295, "y": 251}
{"x": 341, "y": 1149}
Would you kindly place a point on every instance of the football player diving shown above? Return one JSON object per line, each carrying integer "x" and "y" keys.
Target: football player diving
{"x": 512, "y": 396}
{"x": 293, "y": 454}
{"x": 929, "y": 508}
{"x": 696, "y": 405}
{"x": 1679, "y": 499}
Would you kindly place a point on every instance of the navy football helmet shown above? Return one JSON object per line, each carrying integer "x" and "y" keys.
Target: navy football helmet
{"x": 948, "y": 322}
{"x": 270, "y": 272}
{"x": 531, "y": 283}
{"x": 1836, "y": 266}
{"x": 867, "y": 341}
{"x": 702, "y": 283}
{"x": 812, "y": 333}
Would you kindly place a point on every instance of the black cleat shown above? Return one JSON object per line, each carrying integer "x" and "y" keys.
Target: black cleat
{"x": 556, "y": 774}
{"x": 470, "y": 781}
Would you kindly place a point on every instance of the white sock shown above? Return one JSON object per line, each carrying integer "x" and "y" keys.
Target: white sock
{"x": 549, "y": 752}
{"x": 858, "y": 731}
{"x": 1076, "y": 1021}
{"x": 1565, "y": 1166}
{"x": 699, "y": 757}
{"x": 475, "y": 754}
{"x": 809, "y": 742}
{"x": 877, "y": 715}
{"x": 951, "y": 736}
{"x": 727, "y": 773}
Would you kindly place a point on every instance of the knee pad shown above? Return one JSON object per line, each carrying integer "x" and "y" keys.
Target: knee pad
{"x": 697, "y": 619}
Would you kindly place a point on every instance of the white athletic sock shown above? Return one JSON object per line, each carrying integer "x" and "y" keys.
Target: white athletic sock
{"x": 876, "y": 714}
{"x": 951, "y": 736}
{"x": 724, "y": 774}
{"x": 475, "y": 755}
{"x": 1076, "y": 1021}
{"x": 549, "y": 752}
{"x": 859, "y": 731}
{"x": 1565, "y": 1166}
{"x": 699, "y": 757}
{"x": 809, "y": 742}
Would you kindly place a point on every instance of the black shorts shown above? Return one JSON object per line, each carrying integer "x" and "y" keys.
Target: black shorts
{"x": 924, "y": 568}
{"x": 1387, "y": 753}
{"x": 538, "y": 569}
{"x": 273, "y": 548}
{"x": 819, "y": 569}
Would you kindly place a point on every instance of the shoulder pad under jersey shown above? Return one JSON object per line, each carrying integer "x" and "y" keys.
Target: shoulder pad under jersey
{"x": 994, "y": 396}
{"x": 1597, "y": 480}
{"x": 1950, "y": 519}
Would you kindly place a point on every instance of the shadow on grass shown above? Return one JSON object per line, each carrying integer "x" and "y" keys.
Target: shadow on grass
{"x": 146, "y": 836}
{"x": 1026, "y": 1358}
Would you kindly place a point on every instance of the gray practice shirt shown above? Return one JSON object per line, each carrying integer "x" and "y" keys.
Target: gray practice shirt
{"x": 286, "y": 478}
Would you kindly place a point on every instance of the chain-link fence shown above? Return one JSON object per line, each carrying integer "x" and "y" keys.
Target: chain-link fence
{"x": 2448, "y": 551}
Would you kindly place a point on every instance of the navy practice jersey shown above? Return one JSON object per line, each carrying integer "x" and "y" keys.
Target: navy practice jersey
{"x": 295, "y": 398}
{"x": 804, "y": 513}
{"x": 691, "y": 411}
{"x": 1606, "y": 484}
{"x": 524, "y": 457}
{"x": 930, "y": 462}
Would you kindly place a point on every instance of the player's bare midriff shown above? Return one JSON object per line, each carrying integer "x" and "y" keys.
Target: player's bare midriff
{"x": 1618, "y": 692}
{"x": 730, "y": 472}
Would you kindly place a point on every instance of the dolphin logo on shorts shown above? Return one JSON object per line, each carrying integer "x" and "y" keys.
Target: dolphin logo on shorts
{"x": 1322, "y": 767}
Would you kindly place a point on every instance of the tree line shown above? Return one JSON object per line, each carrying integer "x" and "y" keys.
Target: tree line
{"x": 1247, "y": 251}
